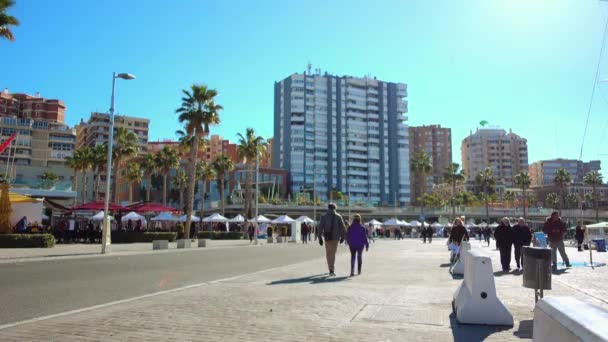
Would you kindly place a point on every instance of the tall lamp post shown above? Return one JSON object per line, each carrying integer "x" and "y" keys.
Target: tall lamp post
{"x": 106, "y": 233}
{"x": 257, "y": 188}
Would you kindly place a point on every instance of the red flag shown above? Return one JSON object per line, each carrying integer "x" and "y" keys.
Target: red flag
{"x": 8, "y": 142}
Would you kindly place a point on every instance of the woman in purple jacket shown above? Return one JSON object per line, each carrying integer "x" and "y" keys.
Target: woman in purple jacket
{"x": 357, "y": 239}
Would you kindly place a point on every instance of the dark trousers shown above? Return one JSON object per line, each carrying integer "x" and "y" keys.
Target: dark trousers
{"x": 519, "y": 257}
{"x": 505, "y": 256}
{"x": 359, "y": 253}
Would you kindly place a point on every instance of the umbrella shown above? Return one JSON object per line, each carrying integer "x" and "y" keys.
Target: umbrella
{"x": 192, "y": 218}
{"x": 237, "y": 219}
{"x": 283, "y": 219}
{"x": 304, "y": 219}
{"x": 598, "y": 225}
{"x": 415, "y": 224}
{"x": 261, "y": 219}
{"x": 148, "y": 207}
{"x": 99, "y": 205}
{"x": 133, "y": 216}
{"x": 215, "y": 218}
{"x": 99, "y": 217}
{"x": 374, "y": 223}
{"x": 165, "y": 216}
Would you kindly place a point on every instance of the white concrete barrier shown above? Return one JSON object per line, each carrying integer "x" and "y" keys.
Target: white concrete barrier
{"x": 160, "y": 244}
{"x": 458, "y": 267}
{"x": 565, "y": 319}
{"x": 184, "y": 243}
{"x": 475, "y": 300}
{"x": 202, "y": 242}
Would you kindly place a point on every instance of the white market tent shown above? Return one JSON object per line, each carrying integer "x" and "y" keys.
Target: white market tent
{"x": 483, "y": 225}
{"x": 237, "y": 219}
{"x": 133, "y": 216}
{"x": 283, "y": 219}
{"x": 261, "y": 219}
{"x": 394, "y": 222}
{"x": 494, "y": 225}
{"x": 598, "y": 225}
{"x": 304, "y": 219}
{"x": 374, "y": 223}
{"x": 436, "y": 225}
{"x": 99, "y": 217}
{"x": 213, "y": 218}
{"x": 415, "y": 224}
{"x": 192, "y": 218}
{"x": 597, "y": 231}
{"x": 164, "y": 216}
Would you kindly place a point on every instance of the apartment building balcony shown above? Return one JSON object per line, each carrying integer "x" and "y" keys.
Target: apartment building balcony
{"x": 350, "y": 172}
{"x": 372, "y": 107}
{"x": 356, "y": 164}
{"x": 402, "y": 106}
{"x": 356, "y": 147}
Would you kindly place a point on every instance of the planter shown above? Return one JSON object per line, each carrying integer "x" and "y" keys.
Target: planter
{"x": 184, "y": 243}
{"x": 160, "y": 244}
{"x": 202, "y": 242}
{"x": 269, "y": 239}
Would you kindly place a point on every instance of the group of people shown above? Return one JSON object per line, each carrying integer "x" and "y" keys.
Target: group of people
{"x": 515, "y": 237}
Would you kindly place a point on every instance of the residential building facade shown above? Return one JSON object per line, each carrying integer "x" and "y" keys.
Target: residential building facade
{"x": 543, "y": 172}
{"x": 343, "y": 133}
{"x": 95, "y": 131}
{"x": 37, "y": 108}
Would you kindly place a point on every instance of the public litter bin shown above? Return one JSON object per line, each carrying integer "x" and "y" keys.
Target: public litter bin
{"x": 537, "y": 268}
{"x": 600, "y": 245}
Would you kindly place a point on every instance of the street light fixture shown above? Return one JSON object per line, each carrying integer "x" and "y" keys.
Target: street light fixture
{"x": 106, "y": 239}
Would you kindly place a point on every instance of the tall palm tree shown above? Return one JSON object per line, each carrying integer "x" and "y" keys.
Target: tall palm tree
{"x": 222, "y": 164}
{"x": 197, "y": 112}
{"x": 552, "y": 200}
{"x": 509, "y": 197}
{"x": 166, "y": 160}
{"x": 594, "y": 179}
{"x": 485, "y": 180}
{"x": 125, "y": 147}
{"x": 99, "y": 155}
{"x": 87, "y": 164}
{"x": 522, "y": 181}
{"x": 562, "y": 179}
{"x": 149, "y": 167}
{"x": 453, "y": 175}
{"x": 133, "y": 173}
{"x": 204, "y": 172}
{"x": 7, "y": 20}
{"x": 572, "y": 200}
{"x": 75, "y": 163}
{"x": 249, "y": 147}
{"x": 421, "y": 165}
{"x": 180, "y": 181}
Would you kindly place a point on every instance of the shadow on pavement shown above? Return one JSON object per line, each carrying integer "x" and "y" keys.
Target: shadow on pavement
{"x": 470, "y": 332}
{"x": 525, "y": 329}
{"x": 445, "y": 265}
{"x": 315, "y": 279}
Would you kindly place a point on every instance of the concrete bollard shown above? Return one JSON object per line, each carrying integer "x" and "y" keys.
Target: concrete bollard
{"x": 202, "y": 242}
{"x": 475, "y": 300}
{"x": 160, "y": 244}
{"x": 565, "y": 319}
{"x": 458, "y": 267}
{"x": 184, "y": 243}
{"x": 269, "y": 239}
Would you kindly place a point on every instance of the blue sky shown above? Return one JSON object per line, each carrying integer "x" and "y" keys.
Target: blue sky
{"x": 525, "y": 65}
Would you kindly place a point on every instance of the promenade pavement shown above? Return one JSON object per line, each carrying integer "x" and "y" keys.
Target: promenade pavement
{"x": 404, "y": 294}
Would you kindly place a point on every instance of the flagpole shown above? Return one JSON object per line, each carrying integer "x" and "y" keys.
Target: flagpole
{"x": 14, "y": 151}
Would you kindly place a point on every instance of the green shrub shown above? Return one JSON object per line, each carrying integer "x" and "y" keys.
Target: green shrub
{"x": 26, "y": 240}
{"x": 220, "y": 235}
{"x": 132, "y": 237}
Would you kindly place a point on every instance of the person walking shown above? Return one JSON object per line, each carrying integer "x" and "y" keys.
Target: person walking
{"x": 458, "y": 234}
{"x": 429, "y": 233}
{"x": 423, "y": 234}
{"x": 304, "y": 233}
{"x": 331, "y": 230}
{"x": 487, "y": 234}
{"x": 555, "y": 230}
{"x": 522, "y": 236}
{"x": 250, "y": 232}
{"x": 370, "y": 232}
{"x": 504, "y": 242}
{"x": 357, "y": 239}
{"x": 579, "y": 235}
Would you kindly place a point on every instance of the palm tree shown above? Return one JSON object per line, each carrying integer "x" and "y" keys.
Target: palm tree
{"x": 562, "y": 179}
{"x": 204, "y": 172}
{"x": 531, "y": 198}
{"x": 7, "y": 20}
{"x": 486, "y": 181}
{"x": 75, "y": 163}
{"x": 149, "y": 167}
{"x": 453, "y": 175}
{"x": 198, "y": 111}
{"x": 522, "y": 180}
{"x": 421, "y": 165}
{"x": 166, "y": 160}
{"x": 594, "y": 179}
{"x": 49, "y": 179}
{"x": 87, "y": 163}
{"x": 133, "y": 173}
{"x": 125, "y": 147}
{"x": 99, "y": 156}
{"x": 509, "y": 197}
{"x": 180, "y": 181}
{"x": 572, "y": 200}
{"x": 221, "y": 165}
{"x": 248, "y": 149}
{"x": 552, "y": 200}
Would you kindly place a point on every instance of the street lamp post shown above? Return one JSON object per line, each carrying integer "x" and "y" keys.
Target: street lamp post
{"x": 257, "y": 192}
{"x": 106, "y": 233}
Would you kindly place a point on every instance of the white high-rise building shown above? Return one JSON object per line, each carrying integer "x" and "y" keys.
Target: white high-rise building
{"x": 343, "y": 133}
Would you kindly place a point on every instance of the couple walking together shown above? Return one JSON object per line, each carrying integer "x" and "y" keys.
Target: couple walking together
{"x": 332, "y": 231}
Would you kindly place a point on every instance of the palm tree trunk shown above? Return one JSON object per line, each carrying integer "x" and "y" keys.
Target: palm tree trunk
{"x": 453, "y": 199}
{"x": 115, "y": 182}
{"x": 597, "y": 208}
{"x": 203, "y": 199}
{"x": 165, "y": 189}
{"x": 97, "y": 183}
{"x": 84, "y": 187}
{"x": 487, "y": 205}
{"x": 76, "y": 185}
{"x": 148, "y": 188}
{"x": 130, "y": 192}
{"x": 525, "y": 199}
{"x": 249, "y": 192}
{"x": 181, "y": 196}
{"x": 222, "y": 194}
{"x": 191, "y": 181}
{"x": 421, "y": 196}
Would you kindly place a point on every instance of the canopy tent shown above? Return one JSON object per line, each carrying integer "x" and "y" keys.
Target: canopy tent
{"x": 214, "y": 218}
{"x": 374, "y": 222}
{"x": 164, "y": 216}
{"x": 471, "y": 225}
{"x": 261, "y": 219}
{"x": 18, "y": 198}
{"x": 192, "y": 218}
{"x": 133, "y": 216}
{"x": 394, "y": 222}
{"x": 483, "y": 225}
{"x": 22, "y": 205}
{"x": 436, "y": 225}
{"x": 304, "y": 219}
{"x": 494, "y": 225}
{"x": 99, "y": 205}
{"x": 283, "y": 219}
{"x": 146, "y": 207}
{"x": 237, "y": 219}
{"x": 415, "y": 224}
{"x": 598, "y": 225}
{"x": 99, "y": 217}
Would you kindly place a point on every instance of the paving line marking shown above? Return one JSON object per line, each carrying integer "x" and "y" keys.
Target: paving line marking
{"x": 154, "y": 294}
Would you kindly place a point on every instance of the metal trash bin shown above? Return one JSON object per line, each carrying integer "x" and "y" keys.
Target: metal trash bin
{"x": 537, "y": 269}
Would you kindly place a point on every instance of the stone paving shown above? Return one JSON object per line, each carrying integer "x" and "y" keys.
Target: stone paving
{"x": 404, "y": 294}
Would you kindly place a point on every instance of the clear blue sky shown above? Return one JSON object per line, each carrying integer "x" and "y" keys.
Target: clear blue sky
{"x": 525, "y": 65}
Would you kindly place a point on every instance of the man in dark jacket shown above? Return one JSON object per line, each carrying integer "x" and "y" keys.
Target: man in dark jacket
{"x": 579, "y": 235}
{"x": 333, "y": 230}
{"x": 522, "y": 236}
{"x": 555, "y": 230}
{"x": 504, "y": 241}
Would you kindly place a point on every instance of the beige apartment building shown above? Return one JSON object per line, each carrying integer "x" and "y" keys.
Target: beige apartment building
{"x": 95, "y": 131}
{"x": 505, "y": 153}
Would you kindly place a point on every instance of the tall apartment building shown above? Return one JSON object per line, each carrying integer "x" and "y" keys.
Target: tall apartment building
{"x": 505, "y": 153}
{"x": 25, "y": 106}
{"x": 542, "y": 172}
{"x": 95, "y": 131}
{"x": 344, "y": 133}
{"x": 436, "y": 141}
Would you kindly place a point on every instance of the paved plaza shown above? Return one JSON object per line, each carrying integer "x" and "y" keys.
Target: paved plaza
{"x": 404, "y": 294}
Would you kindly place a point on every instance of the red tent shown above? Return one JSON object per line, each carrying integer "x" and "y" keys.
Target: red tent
{"x": 144, "y": 207}
{"x": 99, "y": 205}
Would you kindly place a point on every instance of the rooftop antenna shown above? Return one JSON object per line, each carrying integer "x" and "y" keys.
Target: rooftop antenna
{"x": 309, "y": 66}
